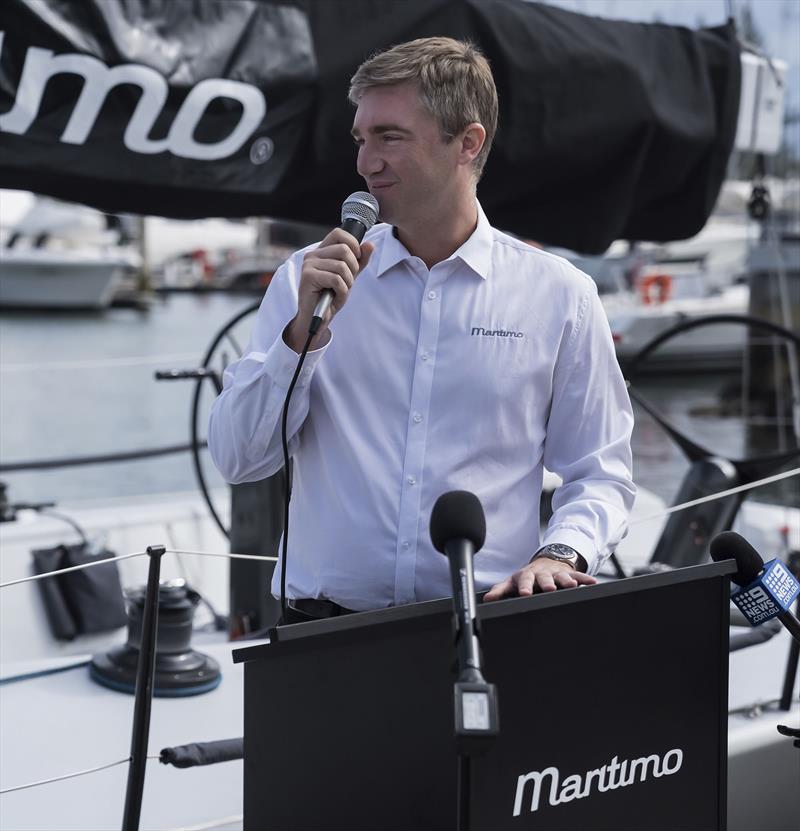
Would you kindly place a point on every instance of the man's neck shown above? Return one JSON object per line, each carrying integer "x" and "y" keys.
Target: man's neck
{"x": 435, "y": 241}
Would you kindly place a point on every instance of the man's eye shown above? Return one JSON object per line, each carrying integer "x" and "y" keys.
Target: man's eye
{"x": 391, "y": 138}
{"x": 358, "y": 142}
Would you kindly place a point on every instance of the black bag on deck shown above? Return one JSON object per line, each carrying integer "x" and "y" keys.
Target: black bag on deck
{"x": 80, "y": 602}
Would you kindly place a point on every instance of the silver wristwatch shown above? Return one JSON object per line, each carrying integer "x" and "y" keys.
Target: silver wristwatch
{"x": 562, "y": 554}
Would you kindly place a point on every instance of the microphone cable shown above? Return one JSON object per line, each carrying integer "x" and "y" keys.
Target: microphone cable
{"x": 288, "y": 489}
{"x": 359, "y": 214}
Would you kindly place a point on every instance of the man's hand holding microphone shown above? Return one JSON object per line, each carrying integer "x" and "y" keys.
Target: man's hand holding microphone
{"x": 329, "y": 272}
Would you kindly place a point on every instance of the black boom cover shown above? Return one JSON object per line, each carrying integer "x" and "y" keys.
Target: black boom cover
{"x": 191, "y": 108}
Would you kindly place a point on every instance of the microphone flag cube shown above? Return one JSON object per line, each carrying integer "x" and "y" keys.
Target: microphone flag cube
{"x": 772, "y": 592}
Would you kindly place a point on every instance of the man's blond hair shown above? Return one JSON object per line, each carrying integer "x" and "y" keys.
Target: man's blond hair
{"x": 454, "y": 81}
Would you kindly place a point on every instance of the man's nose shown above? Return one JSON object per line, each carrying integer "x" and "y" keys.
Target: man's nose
{"x": 368, "y": 162}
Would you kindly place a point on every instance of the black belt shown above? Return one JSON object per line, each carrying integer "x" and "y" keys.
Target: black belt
{"x": 316, "y": 608}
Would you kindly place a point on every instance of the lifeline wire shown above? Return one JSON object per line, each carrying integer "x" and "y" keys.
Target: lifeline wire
{"x": 127, "y": 557}
{"x": 224, "y": 554}
{"x": 719, "y": 495}
{"x": 71, "y": 568}
{"x": 66, "y": 776}
{"x": 674, "y": 509}
{"x": 72, "y": 775}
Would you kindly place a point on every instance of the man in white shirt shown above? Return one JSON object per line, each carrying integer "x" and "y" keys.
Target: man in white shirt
{"x": 453, "y": 357}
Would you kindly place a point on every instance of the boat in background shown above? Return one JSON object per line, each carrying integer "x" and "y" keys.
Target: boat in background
{"x": 56, "y": 255}
{"x": 648, "y": 288}
{"x": 635, "y": 323}
{"x": 221, "y": 254}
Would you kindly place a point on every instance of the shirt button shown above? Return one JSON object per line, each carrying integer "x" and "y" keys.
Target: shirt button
{"x": 406, "y": 543}
{"x": 411, "y": 480}
{"x": 431, "y": 295}
{"x": 424, "y": 356}
{"x": 417, "y": 419}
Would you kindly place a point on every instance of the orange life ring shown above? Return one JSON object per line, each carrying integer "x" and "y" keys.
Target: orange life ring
{"x": 655, "y": 288}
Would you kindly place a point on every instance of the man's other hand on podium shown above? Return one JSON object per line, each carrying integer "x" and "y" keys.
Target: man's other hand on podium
{"x": 540, "y": 575}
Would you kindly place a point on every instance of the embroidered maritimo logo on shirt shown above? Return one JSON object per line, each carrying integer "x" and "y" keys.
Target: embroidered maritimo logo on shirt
{"x": 495, "y": 333}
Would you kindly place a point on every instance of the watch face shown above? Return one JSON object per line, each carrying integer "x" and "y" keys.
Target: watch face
{"x": 560, "y": 552}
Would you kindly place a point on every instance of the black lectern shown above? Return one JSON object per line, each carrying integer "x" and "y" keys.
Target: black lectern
{"x": 613, "y": 714}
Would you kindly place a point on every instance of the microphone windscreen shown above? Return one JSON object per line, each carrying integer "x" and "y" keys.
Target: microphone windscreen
{"x": 361, "y": 206}
{"x": 457, "y": 515}
{"x": 732, "y": 546}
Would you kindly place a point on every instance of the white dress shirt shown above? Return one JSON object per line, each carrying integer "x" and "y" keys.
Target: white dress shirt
{"x": 471, "y": 376}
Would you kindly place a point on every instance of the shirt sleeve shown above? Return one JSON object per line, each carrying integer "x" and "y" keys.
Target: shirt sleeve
{"x": 588, "y": 439}
{"x": 244, "y": 431}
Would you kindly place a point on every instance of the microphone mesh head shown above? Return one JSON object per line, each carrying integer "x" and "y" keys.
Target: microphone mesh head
{"x": 361, "y": 206}
{"x": 457, "y": 515}
{"x": 731, "y": 546}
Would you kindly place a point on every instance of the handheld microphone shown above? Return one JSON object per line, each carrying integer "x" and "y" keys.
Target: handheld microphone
{"x": 359, "y": 214}
{"x": 458, "y": 530}
{"x": 765, "y": 591}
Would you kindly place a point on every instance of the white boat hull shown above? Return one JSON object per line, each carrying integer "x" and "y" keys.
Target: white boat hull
{"x": 714, "y": 347}
{"x": 47, "y": 280}
{"x": 65, "y": 722}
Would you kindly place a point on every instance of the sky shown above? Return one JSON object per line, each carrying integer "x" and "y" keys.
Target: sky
{"x": 777, "y": 20}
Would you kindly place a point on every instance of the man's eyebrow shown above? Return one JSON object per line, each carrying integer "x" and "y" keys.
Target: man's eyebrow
{"x": 381, "y": 128}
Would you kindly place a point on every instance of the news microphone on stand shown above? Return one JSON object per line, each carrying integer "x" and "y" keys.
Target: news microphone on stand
{"x": 359, "y": 214}
{"x": 458, "y": 530}
{"x": 765, "y": 591}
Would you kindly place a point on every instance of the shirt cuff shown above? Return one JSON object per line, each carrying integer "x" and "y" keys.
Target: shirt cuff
{"x": 280, "y": 363}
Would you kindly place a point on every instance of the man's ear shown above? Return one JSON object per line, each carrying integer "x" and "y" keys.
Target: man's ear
{"x": 472, "y": 138}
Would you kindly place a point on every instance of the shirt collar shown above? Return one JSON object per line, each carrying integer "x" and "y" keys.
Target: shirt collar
{"x": 476, "y": 252}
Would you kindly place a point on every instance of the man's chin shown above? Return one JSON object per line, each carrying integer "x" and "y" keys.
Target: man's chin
{"x": 387, "y": 215}
{"x": 387, "y": 211}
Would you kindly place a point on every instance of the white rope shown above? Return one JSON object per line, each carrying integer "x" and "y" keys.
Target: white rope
{"x": 139, "y": 360}
{"x": 72, "y": 568}
{"x": 224, "y": 554}
{"x": 214, "y": 823}
{"x": 719, "y": 495}
{"x": 67, "y": 776}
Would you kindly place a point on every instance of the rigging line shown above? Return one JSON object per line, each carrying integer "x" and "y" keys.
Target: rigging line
{"x": 102, "y": 363}
{"x": 72, "y": 568}
{"x": 225, "y": 554}
{"x": 719, "y": 495}
{"x": 66, "y": 776}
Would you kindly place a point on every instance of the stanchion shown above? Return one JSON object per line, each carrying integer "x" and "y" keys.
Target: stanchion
{"x": 144, "y": 694}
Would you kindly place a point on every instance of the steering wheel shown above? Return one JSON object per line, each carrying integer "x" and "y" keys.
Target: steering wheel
{"x": 213, "y": 365}
{"x": 749, "y": 469}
